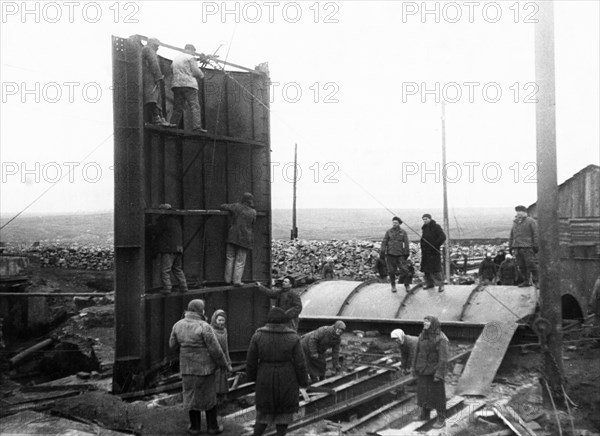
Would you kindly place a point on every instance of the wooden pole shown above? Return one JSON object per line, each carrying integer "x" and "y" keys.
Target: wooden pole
{"x": 550, "y": 324}
{"x": 294, "y": 232}
{"x": 444, "y": 184}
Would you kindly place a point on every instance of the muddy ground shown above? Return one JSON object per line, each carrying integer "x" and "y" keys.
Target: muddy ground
{"x": 88, "y": 324}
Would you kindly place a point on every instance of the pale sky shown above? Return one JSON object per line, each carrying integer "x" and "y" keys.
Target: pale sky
{"x": 366, "y": 120}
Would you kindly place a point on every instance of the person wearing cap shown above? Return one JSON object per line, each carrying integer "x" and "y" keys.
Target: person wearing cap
{"x": 430, "y": 369}
{"x": 316, "y": 343}
{"x": 523, "y": 244}
{"x": 395, "y": 249}
{"x": 153, "y": 79}
{"x": 185, "y": 86}
{"x": 275, "y": 363}
{"x": 199, "y": 356}
{"x": 487, "y": 270}
{"x": 508, "y": 274}
{"x": 168, "y": 243}
{"x": 286, "y": 299}
{"x": 431, "y": 258}
{"x": 407, "y": 347}
{"x": 240, "y": 237}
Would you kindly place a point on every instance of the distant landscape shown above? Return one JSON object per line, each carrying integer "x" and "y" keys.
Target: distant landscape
{"x": 317, "y": 224}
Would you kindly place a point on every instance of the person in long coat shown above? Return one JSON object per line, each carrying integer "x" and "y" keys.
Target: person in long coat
{"x": 218, "y": 322}
{"x": 286, "y": 299}
{"x": 407, "y": 346}
{"x": 275, "y": 362}
{"x": 199, "y": 357}
{"x": 240, "y": 237}
{"x": 316, "y": 343}
{"x": 431, "y": 258}
{"x": 430, "y": 368}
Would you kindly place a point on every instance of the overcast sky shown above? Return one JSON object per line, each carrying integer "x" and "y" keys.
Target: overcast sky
{"x": 355, "y": 85}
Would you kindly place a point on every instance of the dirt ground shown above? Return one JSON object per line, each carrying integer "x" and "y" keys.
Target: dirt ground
{"x": 516, "y": 381}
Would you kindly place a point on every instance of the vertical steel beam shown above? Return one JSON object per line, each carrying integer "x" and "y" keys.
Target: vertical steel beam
{"x": 129, "y": 212}
{"x": 547, "y": 190}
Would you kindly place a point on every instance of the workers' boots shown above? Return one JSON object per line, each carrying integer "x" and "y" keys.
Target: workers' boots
{"x": 157, "y": 120}
{"x": 425, "y": 414}
{"x": 212, "y": 425}
{"x": 195, "y": 422}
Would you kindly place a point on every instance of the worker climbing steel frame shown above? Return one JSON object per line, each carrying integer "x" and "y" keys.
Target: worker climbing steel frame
{"x": 195, "y": 173}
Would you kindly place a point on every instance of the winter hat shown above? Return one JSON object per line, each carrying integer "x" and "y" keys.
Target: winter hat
{"x": 397, "y": 219}
{"x": 196, "y": 306}
{"x": 520, "y": 208}
{"x": 154, "y": 41}
{"x": 247, "y": 198}
{"x": 339, "y": 325}
{"x": 509, "y": 256}
{"x": 276, "y": 316}
{"x": 426, "y": 215}
{"x": 165, "y": 206}
{"x": 398, "y": 334}
{"x": 190, "y": 47}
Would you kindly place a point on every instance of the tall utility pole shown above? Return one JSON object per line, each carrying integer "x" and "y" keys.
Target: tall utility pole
{"x": 294, "y": 232}
{"x": 549, "y": 325}
{"x": 446, "y": 221}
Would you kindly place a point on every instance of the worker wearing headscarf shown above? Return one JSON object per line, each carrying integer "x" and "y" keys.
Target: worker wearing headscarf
{"x": 218, "y": 322}
{"x": 407, "y": 346}
{"x": 316, "y": 343}
{"x": 430, "y": 369}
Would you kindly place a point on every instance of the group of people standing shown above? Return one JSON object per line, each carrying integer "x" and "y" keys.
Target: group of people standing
{"x": 279, "y": 361}
{"x": 395, "y": 250}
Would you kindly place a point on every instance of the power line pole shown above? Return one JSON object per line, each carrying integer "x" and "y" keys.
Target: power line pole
{"x": 294, "y": 232}
{"x": 446, "y": 221}
{"x": 549, "y": 325}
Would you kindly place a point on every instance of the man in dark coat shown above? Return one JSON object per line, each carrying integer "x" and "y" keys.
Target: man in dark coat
{"x": 431, "y": 259}
{"x": 275, "y": 362}
{"x": 523, "y": 244}
{"x": 199, "y": 356}
{"x": 487, "y": 270}
{"x": 286, "y": 299}
{"x": 316, "y": 343}
{"x": 169, "y": 245}
{"x": 395, "y": 248}
{"x": 153, "y": 80}
{"x": 240, "y": 237}
{"x": 508, "y": 274}
{"x": 430, "y": 368}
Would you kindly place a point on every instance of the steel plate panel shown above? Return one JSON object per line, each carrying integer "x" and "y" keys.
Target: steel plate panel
{"x": 374, "y": 301}
{"x": 326, "y": 298}
{"x": 501, "y": 303}
{"x": 485, "y": 359}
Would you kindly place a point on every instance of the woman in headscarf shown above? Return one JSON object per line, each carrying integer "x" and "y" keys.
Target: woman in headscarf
{"x": 316, "y": 343}
{"x": 430, "y": 369}
{"x": 276, "y": 363}
{"x": 407, "y": 346}
{"x": 218, "y": 322}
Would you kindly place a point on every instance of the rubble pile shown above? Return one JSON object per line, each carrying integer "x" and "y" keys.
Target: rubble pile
{"x": 77, "y": 257}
